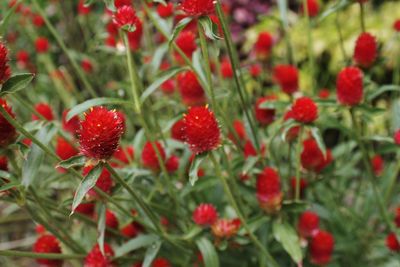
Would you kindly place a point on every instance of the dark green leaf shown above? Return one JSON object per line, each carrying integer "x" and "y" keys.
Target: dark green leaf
{"x": 208, "y": 252}
{"x": 75, "y": 161}
{"x": 294, "y": 206}
{"x": 101, "y": 226}
{"x": 316, "y": 133}
{"x": 151, "y": 253}
{"x": 139, "y": 242}
{"x": 16, "y": 83}
{"x": 194, "y": 168}
{"x": 287, "y": 236}
{"x": 210, "y": 28}
{"x": 8, "y": 186}
{"x": 178, "y": 28}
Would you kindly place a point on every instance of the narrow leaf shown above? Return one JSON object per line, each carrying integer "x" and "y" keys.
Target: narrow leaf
{"x": 287, "y": 236}
{"x": 194, "y": 168}
{"x": 210, "y": 28}
{"x": 151, "y": 253}
{"x": 381, "y": 90}
{"x": 136, "y": 243}
{"x": 101, "y": 226}
{"x": 6, "y": 18}
{"x": 75, "y": 161}
{"x": 249, "y": 164}
{"x": 16, "y": 83}
{"x": 316, "y": 133}
{"x": 208, "y": 252}
{"x": 178, "y": 28}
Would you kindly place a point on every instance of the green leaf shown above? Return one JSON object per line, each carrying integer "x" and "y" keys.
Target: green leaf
{"x": 168, "y": 74}
{"x": 208, "y": 252}
{"x": 210, "y": 28}
{"x": 316, "y": 133}
{"x": 197, "y": 60}
{"x": 194, "y": 168}
{"x": 287, "y": 236}
{"x": 383, "y": 89}
{"x": 249, "y": 163}
{"x": 158, "y": 56}
{"x": 86, "y": 184}
{"x": 8, "y": 186}
{"x": 110, "y": 5}
{"x": 75, "y": 161}
{"x": 178, "y": 28}
{"x": 273, "y": 104}
{"x": 4, "y": 174}
{"x": 151, "y": 253}
{"x": 78, "y": 109}
{"x": 6, "y": 18}
{"x": 101, "y": 226}
{"x": 16, "y": 83}
{"x": 140, "y": 241}
{"x": 333, "y": 9}
{"x": 287, "y": 125}
{"x": 282, "y": 5}
{"x": 294, "y": 206}
{"x": 31, "y": 165}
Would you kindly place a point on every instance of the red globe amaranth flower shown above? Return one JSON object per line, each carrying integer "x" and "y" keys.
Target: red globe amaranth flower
{"x": 312, "y": 157}
{"x": 268, "y": 187}
{"x": 100, "y": 133}
{"x": 37, "y": 20}
{"x": 149, "y": 156}
{"x": 349, "y": 86}
{"x": 250, "y": 151}
{"x": 125, "y": 17}
{"x": 190, "y": 89}
{"x": 3, "y": 163}
{"x": 42, "y": 45}
{"x": 197, "y": 7}
{"x": 165, "y": 11}
{"x": 110, "y": 41}
{"x": 377, "y": 164}
{"x": 240, "y": 129}
{"x": 308, "y": 224}
{"x": 135, "y": 37}
{"x": 172, "y": 164}
{"x": 86, "y": 209}
{"x": 324, "y": 93}
{"x": 5, "y": 70}
{"x": 124, "y": 155}
{"x": 365, "y": 51}
{"x": 225, "y": 228}
{"x": 177, "y": 130}
{"x": 71, "y": 126}
{"x": 161, "y": 262}
{"x": 104, "y": 182}
{"x": 226, "y": 69}
{"x": 263, "y": 45}
{"x": 265, "y": 116}
{"x": 82, "y": 8}
{"x": 87, "y": 65}
{"x": 312, "y": 8}
{"x": 168, "y": 87}
{"x": 287, "y": 77}
{"x": 45, "y": 110}
{"x": 7, "y": 131}
{"x": 22, "y": 57}
{"x": 321, "y": 248}
{"x": 201, "y": 130}
{"x": 48, "y": 244}
{"x": 205, "y": 214}
{"x": 186, "y": 41}
{"x": 397, "y": 217}
{"x": 65, "y": 150}
{"x": 132, "y": 229}
{"x": 396, "y": 137}
{"x": 392, "y": 243}
{"x": 121, "y": 3}
{"x": 305, "y": 110}
{"x": 111, "y": 220}
{"x": 294, "y": 131}
{"x": 396, "y": 25}
{"x": 96, "y": 259}
{"x": 255, "y": 70}
{"x": 40, "y": 230}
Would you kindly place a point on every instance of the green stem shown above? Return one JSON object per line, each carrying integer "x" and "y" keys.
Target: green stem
{"x": 339, "y": 31}
{"x": 362, "y": 17}
{"x": 311, "y": 60}
{"x": 33, "y": 255}
{"x": 243, "y": 220}
{"x": 298, "y": 164}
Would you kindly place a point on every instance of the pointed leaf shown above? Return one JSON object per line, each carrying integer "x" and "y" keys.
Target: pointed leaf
{"x": 135, "y": 243}
{"x": 16, "y": 83}
{"x": 101, "y": 226}
{"x": 287, "y": 236}
{"x": 208, "y": 252}
{"x": 316, "y": 133}
{"x": 75, "y": 161}
{"x": 178, "y": 28}
{"x": 194, "y": 168}
{"x": 151, "y": 253}
{"x": 210, "y": 28}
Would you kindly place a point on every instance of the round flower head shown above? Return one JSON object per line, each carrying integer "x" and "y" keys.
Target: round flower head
{"x": 87, "y": 65}
{"x": 287, "y": 77}
{"x": 268, "y": 188}
{"x": 86, "y": 209}
{"x": 45, "y": 110}
{"x": 265, "y": 116}
{"x": 377, "y": 164}
{"x": 225, "y": 228}
{"x": 201, "y": 129}
{"x": 3, "y": 163}
{"x": 149, "y": 156}
{"x": 172, "y": 164}
{"x": 186, "y": 41}
{"x": 263, "y": 45}
{"x": 71, "y": 126}
{"x": 305, "y": 110}
{"x": 396, "y": 25}
{"x": 365, "y": 51}
{"x": 100, "y": 133}
{"x": 125, "y": 18}
{"x": 308, "y": 224}
{"x": 190, "y": 89}
{"x": 124, "y": 155}
{"x": 312, "y": 157}
{"x": 226, "y": 69}
{"x": 96, "y": 259}
{"x": 111, "y": 220}
{"x": 104, "y": 182}
{"x": 312, "y": 8}
{"x": 47, "y": 244}
{"x": 121, "y": 3}
{"x": 198, "y": 7}
{"x": 321, "y": 248}
{"x": 42, "y": 45}
{"x": 132, "y": 229}
{"x": 392, "y": 243}
{"x": 349, "y": 86}
{"x": 294, "y": 131}
{"x": 64, "y": 149}
{"x": 5, "y": 71}
{"x": 165, "y": 11}
{"x": 7, "y": 131}
{"x": 255, "y": 70}
{"x": 205, "y": 215}
{"x": 37, "y": 20}
{"x": 135, "y": 37}
{"x": 177, "y": 131}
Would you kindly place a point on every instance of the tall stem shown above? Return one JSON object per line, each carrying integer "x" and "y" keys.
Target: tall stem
{"x": 311, "y": 60}
{"x": 339, "y": 31}
{"x": 362, "y": 17}
{"x": 298, "y": 164}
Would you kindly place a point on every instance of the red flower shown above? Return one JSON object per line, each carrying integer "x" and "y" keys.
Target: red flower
{"x": 396, "y": 137}
{"x": 168, "y": 87}
{"x": 64, "y": 149}
{"x": 268, "y": 189}
{"x": 324, "y": 93}
{"x": 111, "y": 220}
{"x": 225, "y": 228}
{"x": 47, "y": 244}
{"x": 392, "y": 243}
{"x": 96, "y": 259}
{"x": 312, "y": 157}
{"x": 305, "y": 110}
{"x": 149, "y": 156}
{"x": 5, "y": 71}
{"x": 294, "y": 131}
{"x": 397, "y": 217}
{"x": 255, "y": 70}
{"x": 71, "y": 126}
{"x": 124, "y": 155}
{"x": 239, "y": 130}
{"x": 121, "y": 3}
{"x": 37, "y": 20}
{"x": 377, "y": 164}
{"x": 349, "y": 86}
{"x": 186, "y": 41}
{"x": 161, "y": 262}
{"x": 250, "y": 151}
{"x": 396, "y": 25}
{"x": 365, "y": 51}
{"x": 165, "y": 11}
{"x": 3, "y": 163}
{"x": 39, "y": 229}
{"x": 287, "y": 77}
{"x": 7, "y": 131}
{"x": 312, "y": 8}
{"x": 265, "y": 116}
{"x": 86, "y": 209}
{"x": 303, "y": 185}
{"x": 82, "y": 8}
{"x": 110, "y": 41}
{"x": 201, "y": 129}
{"x": 321, "y": 248}
{"x": 263, "y": 45}
{"x": 135, "y": 37}
{"x": 198, "y": 7}
{"x": 42, "y": 45}
{"x": 22, "y": 58}
{"x": 205, "y": 215}
{"x": 100, "y": 133}
{"x": 177, "y": 130}
{"x": 308, "y": 224}
{"x": 172, "y": 164}
{"x": 104, "y": 182}
{"x": 226, "y": 69}
{"x": 45, "y": 110}
{"x": 190, "y": 89}
{"x": 132, "y": 229}
{"x": 87, "y": 65}
{"x": 125, "y": 17}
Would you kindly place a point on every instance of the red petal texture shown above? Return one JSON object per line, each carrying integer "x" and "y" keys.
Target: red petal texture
{"x": 177, "y": 131}
{"x": 5, "y": 71}
{"x": 378, "y": 165}
{"x": 100, "y": 133}
{"x": 82, "y": 8}
{"x": 71, "y": 126}
{"x": 3, "y": 163}
{"x": 198, "y": 7}
{"x": 65, "y": 150}
{"x": 201, "y": 129}
{"x": 47, "y": 244}
{"x": 312, "y": 8}
{"x": 190, "y": 89}
{"x": 111, "y": 220}
{"x": 132, "y": 229}
{"x": 264, "y": 116}
{"x": 104, "y": 182}
{"x": 225, "y": 228}
{"x": 321, "y": 248}
{"x": 226, "y": 69}
{"x": 186, "y": 41}
{"x": 308, "y": 224}
{"x": 172, "y": 164}
{"x": 121, "y": 3}
{"x": 165, "y": 11}
{"x": 396, "y": 137}
{"x": 86, "y": 209}
{"x": 161, "y": 262}
{"x": 349, "y": 86}
{"x": 7, "y": 131}
{"x": 312, "y": 157}
{"x": 305, "y": 110}
{"x": 42, "y": 45}
{"x": 96, "y": 259}
{"x": 268, "y": 187}
{"x": 125, "y": 16}
{"x": 135, "y": 37}
{"x": 396, "y": 25}
{"x": 45, "y": 110}
{"x": 287, "y": 77}
{"x": 392, "y": 243}
{"x": 263, "y": 45}
{"x": 124, "y": 155}
{"x": 149, "y": 156}
{"x": 205, "y": 214}
{"x": 366, "y": 50}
